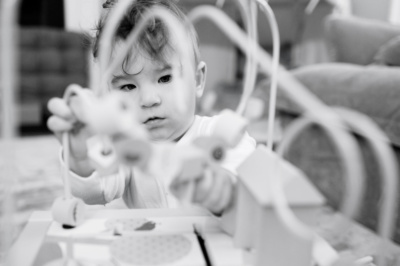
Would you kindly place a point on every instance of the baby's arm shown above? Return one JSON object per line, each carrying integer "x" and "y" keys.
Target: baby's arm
{"x": 85, "y": 181}
{"x": 96, "y": 189}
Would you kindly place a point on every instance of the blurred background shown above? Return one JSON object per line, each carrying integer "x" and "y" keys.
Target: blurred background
{"x": 53, "y": 51}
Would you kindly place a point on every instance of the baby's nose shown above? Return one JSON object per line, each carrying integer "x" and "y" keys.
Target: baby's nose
{"x": 149, "y": 98}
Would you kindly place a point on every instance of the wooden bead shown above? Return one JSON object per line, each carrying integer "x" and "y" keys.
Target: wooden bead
{"x": 133, "y": 152}
{"x": 254, "y": 109}
{"x": 69, "y": 212}
{"x": 230, "y": 127}
{"x": 214, "y": 147}
{"x": 102, "y": 154}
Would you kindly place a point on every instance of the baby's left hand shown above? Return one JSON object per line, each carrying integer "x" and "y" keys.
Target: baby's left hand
{"x": 213, "y": 190}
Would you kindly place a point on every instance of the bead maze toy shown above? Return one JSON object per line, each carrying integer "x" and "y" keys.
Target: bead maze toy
{"x": 271, "y": 222}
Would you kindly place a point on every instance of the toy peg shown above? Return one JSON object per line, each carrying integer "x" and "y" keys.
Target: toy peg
{"x": 230, "y": 126}
{"x": 133, "y": 152}
{"x": 68, "y": 211}
{"x": 102, "y": 154}
{"x": 214, "y": 147}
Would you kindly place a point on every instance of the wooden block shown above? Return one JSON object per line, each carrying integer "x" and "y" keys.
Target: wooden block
{"x": 274, "y": 242}
{"x": 230, "y": 127}
{"x": 245, "y": 229}
{"x": 262, "y": 165}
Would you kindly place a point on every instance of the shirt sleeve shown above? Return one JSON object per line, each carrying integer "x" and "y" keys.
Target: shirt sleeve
{"x": 236, "y": 156}
{"x": 97, "y": 189}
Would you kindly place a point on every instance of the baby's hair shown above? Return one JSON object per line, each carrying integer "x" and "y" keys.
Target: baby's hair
{"x": 154, "y": 39}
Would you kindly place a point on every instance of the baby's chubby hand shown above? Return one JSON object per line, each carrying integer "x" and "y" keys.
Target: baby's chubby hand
{"x": 213, "y": 190}
{"x": 63, "y": 119}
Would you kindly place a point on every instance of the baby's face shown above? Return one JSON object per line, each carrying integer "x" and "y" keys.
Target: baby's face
{"x": 163, "y": 92}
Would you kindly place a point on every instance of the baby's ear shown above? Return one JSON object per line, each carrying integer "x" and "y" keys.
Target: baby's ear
{"x": 201, "y": 73}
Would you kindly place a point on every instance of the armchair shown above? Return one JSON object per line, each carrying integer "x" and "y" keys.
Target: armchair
{"x": 364, "y": 75}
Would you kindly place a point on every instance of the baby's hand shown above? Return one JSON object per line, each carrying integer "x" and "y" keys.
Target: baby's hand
{"x": 214, "y": 190}
{"x": 62, "y": 120}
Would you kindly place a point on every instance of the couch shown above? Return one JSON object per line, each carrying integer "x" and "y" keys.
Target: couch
{"x": 363, "y": 75}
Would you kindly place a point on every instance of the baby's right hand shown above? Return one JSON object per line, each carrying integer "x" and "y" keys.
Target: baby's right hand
{"x": 63, "y": 119}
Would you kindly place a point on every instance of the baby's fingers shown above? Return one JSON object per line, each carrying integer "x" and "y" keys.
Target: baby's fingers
{"x": 203, "y": 186}
{"x": 59, "y": 107}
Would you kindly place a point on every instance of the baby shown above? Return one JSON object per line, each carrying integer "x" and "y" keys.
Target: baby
{"x": 163, "y": 86}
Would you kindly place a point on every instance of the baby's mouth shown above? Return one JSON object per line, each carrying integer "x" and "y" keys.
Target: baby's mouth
{"x": 153, "y": 120}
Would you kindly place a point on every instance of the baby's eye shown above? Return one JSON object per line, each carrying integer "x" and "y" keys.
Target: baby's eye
{"x": 165, "y": 79}
{"x": 127, "y": 87}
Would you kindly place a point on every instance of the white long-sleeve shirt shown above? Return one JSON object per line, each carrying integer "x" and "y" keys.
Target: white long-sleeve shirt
{"x": 143, "y": 191}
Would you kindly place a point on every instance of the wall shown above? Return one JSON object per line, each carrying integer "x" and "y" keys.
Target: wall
{"x": 216, "y": 49}
{"x": 374, "y": 9}
{"x": 81, "y": 15}
{"x": 394, "y": 15}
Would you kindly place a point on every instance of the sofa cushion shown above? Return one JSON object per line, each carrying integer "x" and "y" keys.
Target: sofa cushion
{"x": 357, "y": 40}
{"x": 389, "y": 53}
{"x": 372, "y": 90}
